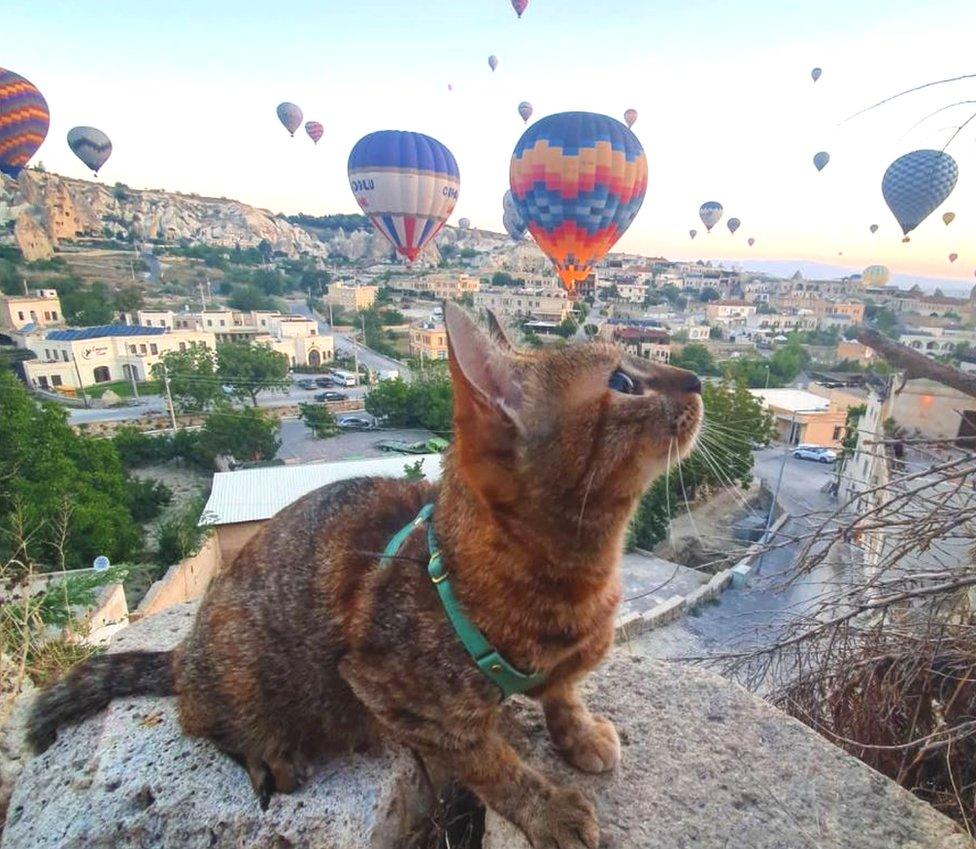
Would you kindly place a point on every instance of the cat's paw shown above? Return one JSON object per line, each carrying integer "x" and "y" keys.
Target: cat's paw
{"x": 592, "y": 746}
{"x": 567, "y": 821}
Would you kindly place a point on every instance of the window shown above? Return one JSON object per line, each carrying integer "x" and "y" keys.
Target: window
{"x": 47, "y": 315}
{"x": 838, "y": 432}
{"x": 47, "y": 354}
{"x": 132, "y": 349}
{"x": 42, "y": 379}
{"x": 222, "y": 322}
{"x": 54, "y": 315}
{"x": 142, "y": 349}
{"x": 153, "y": 348}
{"x": 56, "y": 379}
{"x": 209, "y": 323}
{"x": 101, "y": 374}
{"x": 64, "y": 356}
{"x": 20, "y": 315}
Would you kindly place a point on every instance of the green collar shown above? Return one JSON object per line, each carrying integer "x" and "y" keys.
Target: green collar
{"x": 485, "y": 656}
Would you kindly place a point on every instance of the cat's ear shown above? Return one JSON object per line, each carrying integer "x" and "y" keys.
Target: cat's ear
{"x": 498, "y": 333}
{"x": 485, "y": 383}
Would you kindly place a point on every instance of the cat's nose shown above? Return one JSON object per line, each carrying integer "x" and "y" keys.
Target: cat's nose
{"x": 692, "y": 383}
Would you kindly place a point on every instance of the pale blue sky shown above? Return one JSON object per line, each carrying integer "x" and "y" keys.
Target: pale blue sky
{"x": 728, "y": 112}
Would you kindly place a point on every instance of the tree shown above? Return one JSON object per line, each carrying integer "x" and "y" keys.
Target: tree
{"x": 319, "y": 419}
{"x": 715, "y": 332}
{"x": 567, "y": 327}
{"x": 414, "y": 472}
{"x": 244, "y": 434}
{"x": 249, "y": 369}
{"x": 67, "y": 489}
{"x": 881, "y": 318}
{"x": 591, "y": 330}
{"x": 709, "y": 294}
{"x": 696, "y": 358}
{"x": 248, "y": 298}
{"x": 762, "y": 308}
{"x": 193, "y": 380}
{"x": 181, "y": 535}
{"x": 502, "y": 278}
{"x": 82, "y": 306}
{"x": 426, "y": 402}
{"x": 129, "y": 298}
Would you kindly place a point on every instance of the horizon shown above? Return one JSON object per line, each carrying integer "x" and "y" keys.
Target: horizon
{"x": 726, "y": 109}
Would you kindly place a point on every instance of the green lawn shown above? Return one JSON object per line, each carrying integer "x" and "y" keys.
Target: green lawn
{"x": 123, "y": 388}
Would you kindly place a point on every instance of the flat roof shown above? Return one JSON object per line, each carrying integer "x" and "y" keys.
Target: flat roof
{"x": 792, "y": 400}
{"x": 251, "y": 495}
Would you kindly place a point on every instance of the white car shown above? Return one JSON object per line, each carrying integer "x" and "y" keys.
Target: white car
{"x": 815, "y": 453}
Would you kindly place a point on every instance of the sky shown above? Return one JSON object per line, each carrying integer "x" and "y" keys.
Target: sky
{"x": 727, "y": 109}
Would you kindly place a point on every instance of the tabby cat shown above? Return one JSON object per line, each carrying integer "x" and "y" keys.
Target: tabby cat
{"x": 307, "y": 645}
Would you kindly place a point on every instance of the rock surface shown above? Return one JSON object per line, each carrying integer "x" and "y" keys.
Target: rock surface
{"x": 128, "y": 778}
{"x": 707, "y": 765}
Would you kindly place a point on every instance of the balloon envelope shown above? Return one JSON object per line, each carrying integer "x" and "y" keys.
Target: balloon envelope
{"x": 751, "y": 241}
{"x": 520, "y": 6}
{"x": 493, "y": 62}
{"x": 630, "y": 116}
{"x": 578, "y": 179}
{"x": 290, "y": 115}
{"x": 815, "y": 73}
{"x": 710, "y": 214}
{"x": 407, "y": 183}
{"x": 692, "y": 233}
{"x": 314, "y": 130}
{"x": 916, "y": 183}
{"x": 948, "y": 218}
{"x": 873, "y": 228}
{"x": 24, "y": 120}
{"x": 464, "y": 223}
{"x": 525, "y": 110}
{"x": 514, "y": 225}
{"x": 91, "y": 146}
{"x": 733, "y": 225}
{"x": 875, "y": 275}
{"x": 953, "y": 257}
{"x": 821, "y": 159}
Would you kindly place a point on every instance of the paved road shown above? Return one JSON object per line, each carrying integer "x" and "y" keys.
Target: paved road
{"x": 299, "y": 444}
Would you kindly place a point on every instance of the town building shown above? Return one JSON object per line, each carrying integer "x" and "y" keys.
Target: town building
{"x": 439, "y": 285}
{"x": 855, "y": 352}
{"x": 803, "y": 417}
{"x": 647, "y": 343}
{"x": 351, "y": 296}
{"x": 550, "y": 304}
{"x": 731, "y": 312}
{"x": 30, "y": 312}
{"x": 73, "y": 357}
{"x": 428, "y": 340}
{"x": 938, "y": 341}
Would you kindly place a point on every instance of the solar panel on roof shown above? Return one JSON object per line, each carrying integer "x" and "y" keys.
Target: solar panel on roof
{"x": 103, "y": 330}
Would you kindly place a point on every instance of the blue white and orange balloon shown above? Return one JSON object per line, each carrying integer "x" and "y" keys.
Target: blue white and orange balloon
{"x": 953, "y": 257}
{"x": 915, "y": 184}
{"x": 290, "y": 115}
{"x": 873, "y": 228}
{"x": 948, "y": 218}
{"x": 815, "y": 73}
{"x": 407, "y": 184}
{"x": 692, "y": 233}
{"x": 630, "y": 116}
{"x": 24, "y": 121}
{"x": 525, "y": 110}
{"x": 578, "y": 179}
{"x": 733, "y": 225}
{"x": 710, "y": 214}
{"x": 520, "y": 6}
{"x": 493, "y": 62}
{"x": 91, "y": 146}
{"x": 875, "y": 275}
{"x": 315, "y": 130}
{"x": 821, "y": 159}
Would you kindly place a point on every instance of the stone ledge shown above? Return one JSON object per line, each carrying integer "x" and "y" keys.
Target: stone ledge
{"x": 710, "y": 766}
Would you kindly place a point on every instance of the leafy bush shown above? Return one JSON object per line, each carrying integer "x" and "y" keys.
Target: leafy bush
{"x": 425, "y": 402}
{"x": 136, "y": 448}
{"x": 147, "y": 498}
{"x": 181, "y": 535}
{"x": 319, "y": 419}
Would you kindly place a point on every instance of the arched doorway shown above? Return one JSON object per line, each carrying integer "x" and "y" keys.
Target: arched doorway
{"x": 314, "y": 358}
{"x": 101, "y": 374}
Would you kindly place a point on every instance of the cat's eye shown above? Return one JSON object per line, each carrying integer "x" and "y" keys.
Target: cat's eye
{"x": 622, "y": 382}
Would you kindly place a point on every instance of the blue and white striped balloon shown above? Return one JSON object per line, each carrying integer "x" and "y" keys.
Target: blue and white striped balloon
{"x": 407, "y": 184}
{"x": 916, "y": 184}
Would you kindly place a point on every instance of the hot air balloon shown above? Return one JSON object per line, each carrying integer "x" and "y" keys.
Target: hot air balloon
{"x": 815, "y": 73}
{"x": 710, "y": 214}
{"x": 407, "y": 183}
{"x": 493, "y": 62}
{"x": 24, "y": 120}
{"x": 821, "y": 159}
{"x": 464, "y": 223}
{"x": 525, "y": 110}
{"x": 953, "y": 257}
{"x": 906, "y": 240}
{"x": 450, "y": 87}
{"x": 91, "y": 146}
{"x": 873, "y": 228}
{"x": 314, "y": 130}
{"x": 916, "y": 183}
{"x": 578, "y": 180}
{"x": 630, "y": 116}
{"x": 875, "y": 275}
{"x": 514, "y": 225}
{"x": 520, "y": 6}
{"x": 692, "y": 233}
{"x": 948, "y": 218}
{"x": 733, "y": 225}
{"x": 751, "y": 241}
{"x": 291, "y": 116}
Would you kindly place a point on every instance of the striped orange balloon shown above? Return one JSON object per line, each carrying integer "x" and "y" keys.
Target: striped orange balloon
{"x": 24, "y": 120}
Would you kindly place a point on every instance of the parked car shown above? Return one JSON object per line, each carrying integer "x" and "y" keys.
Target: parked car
{"x": 331, "y": 396}
{"x": 305, "y": 383}
{"x": 357, "y": 423}
{"x": 815, "y": 453}
{"x": 324, "y": 382}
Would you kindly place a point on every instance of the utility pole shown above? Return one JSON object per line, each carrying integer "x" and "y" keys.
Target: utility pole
{"x": 81, "y": 385}
{"x": 169, "y": 399}
{"x": 132, "y": 374}
{"x": 331, "y": 322}
{"x": 203, "y": 302}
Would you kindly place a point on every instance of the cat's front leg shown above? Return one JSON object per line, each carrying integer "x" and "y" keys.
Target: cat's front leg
{"x": 588, "y": 742}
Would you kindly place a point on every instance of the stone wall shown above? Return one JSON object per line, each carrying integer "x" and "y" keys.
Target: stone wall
{"x": 182, "y": 582}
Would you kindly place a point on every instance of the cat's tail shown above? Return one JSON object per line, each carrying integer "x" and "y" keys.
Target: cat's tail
{"x": 90, "y": 686}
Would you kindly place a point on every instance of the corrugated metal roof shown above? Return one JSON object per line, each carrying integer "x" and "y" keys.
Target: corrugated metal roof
{"x": 103, "y": 330}
{"x": 792, "y": 400}
{"x": 251, "y": 495}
